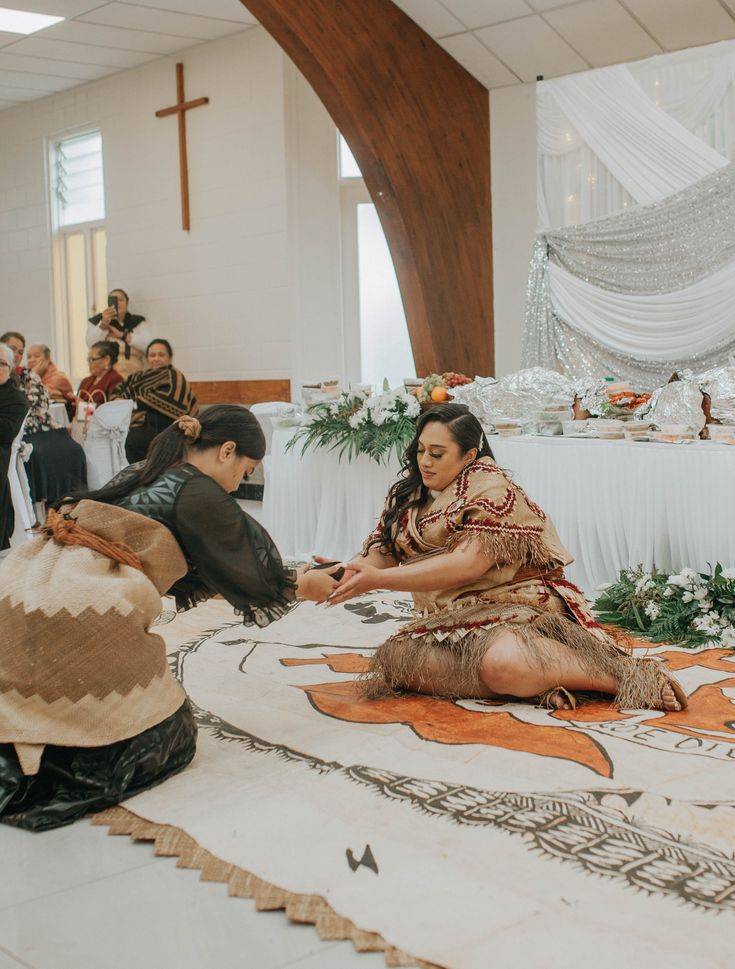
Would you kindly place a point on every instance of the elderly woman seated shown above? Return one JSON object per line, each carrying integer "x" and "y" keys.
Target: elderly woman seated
{"x": 56, "y": 464}
{"x": 54, "y": 380}
{"x": 103, "y": 377}
{"x": 161, "y": 395}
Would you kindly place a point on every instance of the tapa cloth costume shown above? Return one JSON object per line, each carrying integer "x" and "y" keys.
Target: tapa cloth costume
{"x": 89, "y": 711}
{"x": 524, "y": 591}
{"x": 161, "y": 396}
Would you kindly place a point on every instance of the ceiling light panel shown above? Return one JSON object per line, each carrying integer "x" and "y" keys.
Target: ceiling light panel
{"x": 25, "y": 22}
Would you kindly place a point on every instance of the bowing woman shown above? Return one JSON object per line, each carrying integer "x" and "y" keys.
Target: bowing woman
{"x": 90, "y": 712}
{"x": 161, "y": 395}
{"x": 485, "y": 566}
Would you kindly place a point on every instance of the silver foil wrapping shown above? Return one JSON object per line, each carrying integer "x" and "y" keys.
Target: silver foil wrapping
{"x": 720, "y": 385}
{"x": 679, "y": 402}
{"x": 517, "y": 396}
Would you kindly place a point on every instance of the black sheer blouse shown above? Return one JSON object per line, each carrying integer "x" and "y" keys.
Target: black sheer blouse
{"x": 228, "y": 552}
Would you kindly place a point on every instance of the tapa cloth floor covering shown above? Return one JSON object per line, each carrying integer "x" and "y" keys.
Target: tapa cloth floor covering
{"x": 469, "y": 833}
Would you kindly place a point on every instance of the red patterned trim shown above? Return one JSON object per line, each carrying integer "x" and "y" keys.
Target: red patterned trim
{"x": 536, "y": 509}
{"x": 503, "y": 528}
{"x": 463, "y": 479}
{"x": 428, "y": 519}
{"x": 498, "y": 508}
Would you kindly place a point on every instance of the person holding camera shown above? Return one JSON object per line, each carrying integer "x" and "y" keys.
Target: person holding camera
{"x": 131, "y": 332}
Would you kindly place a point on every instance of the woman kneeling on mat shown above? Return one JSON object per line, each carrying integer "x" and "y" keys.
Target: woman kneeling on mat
{"x": 484, "y": 564}
{"x": 90, "y": 712}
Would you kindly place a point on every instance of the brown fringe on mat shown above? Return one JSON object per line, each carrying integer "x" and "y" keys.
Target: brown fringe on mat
{"x": 450, "y": 668}
{"x": 172, "y": 842}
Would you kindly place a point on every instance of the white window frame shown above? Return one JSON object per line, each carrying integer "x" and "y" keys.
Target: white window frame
{"x": 62, "y": 348}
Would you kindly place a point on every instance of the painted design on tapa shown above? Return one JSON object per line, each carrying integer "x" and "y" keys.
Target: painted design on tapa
{"x": 597, "y": 831}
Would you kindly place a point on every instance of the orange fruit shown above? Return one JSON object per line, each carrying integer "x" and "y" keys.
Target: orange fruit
{"x": 439, "y": 394}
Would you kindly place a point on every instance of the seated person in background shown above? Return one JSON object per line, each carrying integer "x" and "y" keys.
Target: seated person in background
{"x": 130, "y": 332}
{"x": 57, "y": 464}
{"x": 13, "y": 408}
{"x": 54, "y": 380}
{"x": 161, "y": 395}
{"x": 484, "y": 563}
{"x": 103, "y": 377}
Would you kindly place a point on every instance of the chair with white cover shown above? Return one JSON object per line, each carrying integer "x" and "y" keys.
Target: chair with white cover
{"x": 104, "y": 444}
{"x": 20, "y": 493}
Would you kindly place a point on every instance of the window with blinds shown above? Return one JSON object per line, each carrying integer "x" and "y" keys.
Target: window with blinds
{"x": 78, "y": 180}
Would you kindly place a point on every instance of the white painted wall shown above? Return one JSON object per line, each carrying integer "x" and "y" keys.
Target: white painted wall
{"x": 513, "y": 167}
{"x": 255, "y": 289}
{"x": 221, "y": 292}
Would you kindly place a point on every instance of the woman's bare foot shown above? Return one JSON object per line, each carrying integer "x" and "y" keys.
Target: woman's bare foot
{"x": 669, "y": 700}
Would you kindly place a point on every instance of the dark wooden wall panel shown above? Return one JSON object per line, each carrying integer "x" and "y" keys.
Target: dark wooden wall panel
{"x": 418, "y": 125}
{"x": 240, "y": 391}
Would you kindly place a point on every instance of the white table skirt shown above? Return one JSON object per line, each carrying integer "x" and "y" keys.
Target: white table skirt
{"x": 317, "y": 504}
{"x": 618, "y": 503}
{"x": 614, "y": 503}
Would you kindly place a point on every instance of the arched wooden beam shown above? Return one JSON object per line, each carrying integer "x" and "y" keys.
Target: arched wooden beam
{"x": 418, "y": 125}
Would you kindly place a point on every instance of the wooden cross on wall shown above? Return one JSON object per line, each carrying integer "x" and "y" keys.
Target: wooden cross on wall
{"x": 180, "y": 109}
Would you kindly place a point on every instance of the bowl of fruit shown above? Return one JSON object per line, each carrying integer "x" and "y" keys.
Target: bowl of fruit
{"x": 436, "y": 388}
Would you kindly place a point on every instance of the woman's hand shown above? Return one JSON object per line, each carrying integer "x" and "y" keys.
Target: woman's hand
{"x": 360, "y": 577}
{"x": 314, "y": 584}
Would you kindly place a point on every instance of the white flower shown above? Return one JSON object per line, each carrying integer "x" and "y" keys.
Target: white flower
{"x": 379, "y": 417}
{"x": 687, "y": 597}
{"x": 700, "y": 594}
{"x": 675, "y": 580}
{"x": 687, "y": 574}
{"x": 705, "y": 605}
{"x": 668, "y": 592}
{"x": 652, "y": 610}
{"x": 413, "y": 408}
{"x": 359, "y": 418}
{"x": 727, "y": 636}
{"x": 728, "y": 573}
{"x": 644, "y": 583}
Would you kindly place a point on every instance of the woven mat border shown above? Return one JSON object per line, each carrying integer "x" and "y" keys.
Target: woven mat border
{"x": 173, "y": 842}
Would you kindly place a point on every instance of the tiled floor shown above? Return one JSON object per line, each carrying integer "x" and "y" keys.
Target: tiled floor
{"x": 77, "y": 898}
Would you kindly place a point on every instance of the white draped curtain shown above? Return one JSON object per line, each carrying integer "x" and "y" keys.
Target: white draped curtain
{"x": 621, "y": 151}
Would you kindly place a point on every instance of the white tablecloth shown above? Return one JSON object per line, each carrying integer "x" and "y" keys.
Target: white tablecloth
{"x": 317, "y": 504}
{"x": 617, "y": 503}
{"x": 614, "y": 503}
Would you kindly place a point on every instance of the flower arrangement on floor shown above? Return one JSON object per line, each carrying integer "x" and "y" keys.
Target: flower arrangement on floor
{"x": 356, "y": 424}
{"x": 688, "y": 609}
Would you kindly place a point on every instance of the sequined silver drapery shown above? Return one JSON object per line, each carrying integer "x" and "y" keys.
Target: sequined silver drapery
{"x": 651, "y": 249}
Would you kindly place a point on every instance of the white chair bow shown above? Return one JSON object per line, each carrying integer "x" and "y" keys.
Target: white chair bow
{"x": 104, "y": 444}
{"x": 20, "y": 493}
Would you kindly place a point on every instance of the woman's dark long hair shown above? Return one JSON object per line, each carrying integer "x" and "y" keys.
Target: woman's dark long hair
{"x": 220, "y": 423}
{"x": 409, "y": 490}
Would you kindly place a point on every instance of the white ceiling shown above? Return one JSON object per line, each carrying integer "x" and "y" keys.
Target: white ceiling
{"x": 500, "y": 42}
{"x": 504, "y": 42}
{"x": 99, "y": 38}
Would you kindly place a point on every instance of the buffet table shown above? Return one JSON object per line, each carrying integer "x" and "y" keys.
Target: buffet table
{"x": 614, "y": 503}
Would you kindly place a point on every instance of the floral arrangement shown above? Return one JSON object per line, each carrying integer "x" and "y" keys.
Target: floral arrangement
{"x": 357, "y": 424}
{"x": 687, "y": 609}
{"x": 435, "y": 388}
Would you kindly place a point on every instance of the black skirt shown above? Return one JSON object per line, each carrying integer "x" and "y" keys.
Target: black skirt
{"x": 74, "y": 781}
{"x": 56, "y": 467}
